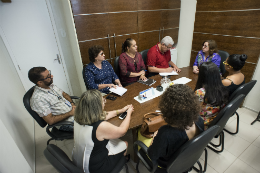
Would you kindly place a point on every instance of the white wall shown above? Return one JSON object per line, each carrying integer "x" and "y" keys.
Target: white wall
{"x": 17, "y": 128}
{"x": 186, "y": 27}
{"x": 252, "y": 100}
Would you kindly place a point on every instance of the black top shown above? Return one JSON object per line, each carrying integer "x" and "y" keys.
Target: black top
{"x": 168, "y": 140}
{"x": 231, "y": 88}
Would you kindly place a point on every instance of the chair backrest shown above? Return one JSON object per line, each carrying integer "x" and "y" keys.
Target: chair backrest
{"x": 60, "y": 160}
{"x": 243, "y": 89}
{"x": 144, "y": 55}
{"x": 83, "y": 74}
{"x": 190, "y": 152}
{"x": 26, "y": 102}
{"x": 224, "y": 55}
{"x": 116, "y": 66}
{"x": 223, "y": 116}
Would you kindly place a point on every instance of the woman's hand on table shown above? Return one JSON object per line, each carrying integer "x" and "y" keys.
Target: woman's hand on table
{"x": 177, "y": 69}
{"x": 111, "y": 86}
{"x": 130, "y": 109}
{"x": 142, "y": 77}
{"x": 195, "y": 69}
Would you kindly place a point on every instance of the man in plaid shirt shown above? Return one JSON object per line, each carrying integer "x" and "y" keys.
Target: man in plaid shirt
{"x": 49, "y": 101}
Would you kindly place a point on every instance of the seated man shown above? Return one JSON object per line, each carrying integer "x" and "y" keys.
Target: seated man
{"x": 50, "y": 102}
{"x": 159, "y": 57}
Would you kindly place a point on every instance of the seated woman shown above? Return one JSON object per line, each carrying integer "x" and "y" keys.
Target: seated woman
{"x": 96, "y": 144}
{"x": 99, "y": 73}
{"x": 131, "y": 63}
{"x": 180, "y": 109}
{"x": 233, "y": 64}
{"x": 209, "y": 53}
{"x": 212, "y": 94}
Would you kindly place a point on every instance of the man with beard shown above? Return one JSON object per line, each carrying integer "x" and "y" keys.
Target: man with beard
{"x": 49, "y": 101}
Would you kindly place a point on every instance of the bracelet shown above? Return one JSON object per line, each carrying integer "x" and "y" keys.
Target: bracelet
{"x": 142, "y": 74}
{"x": 117, "y": 112}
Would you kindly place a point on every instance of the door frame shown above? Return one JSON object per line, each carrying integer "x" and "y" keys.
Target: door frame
{"x": 16, "y": 65}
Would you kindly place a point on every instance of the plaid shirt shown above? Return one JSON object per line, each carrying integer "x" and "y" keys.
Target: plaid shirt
{"x": 46, "y": 101}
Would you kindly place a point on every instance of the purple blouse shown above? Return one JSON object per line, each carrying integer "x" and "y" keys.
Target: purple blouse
{"x": 127, "y": 65}
{"x": 215, "y": 58}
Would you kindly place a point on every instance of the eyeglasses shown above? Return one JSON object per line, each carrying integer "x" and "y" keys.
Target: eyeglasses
{"x": 225, "y": 63}
{"x": 49, "y": 76}
{"x": 167, "y": 47}
{"x": 204, "y": 46}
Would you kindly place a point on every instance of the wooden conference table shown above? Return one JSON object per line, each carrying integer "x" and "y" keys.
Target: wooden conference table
{"x": 149, "y": 106}
{"x": 142, "y": 108}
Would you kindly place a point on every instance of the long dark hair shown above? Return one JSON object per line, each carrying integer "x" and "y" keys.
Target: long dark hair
{"x": 126, "y": 44}
{"x": 209, "y": 78}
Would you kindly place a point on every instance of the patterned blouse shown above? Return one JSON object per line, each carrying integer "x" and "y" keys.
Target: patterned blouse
{"x": 95, "y": 76}
{"x": 208, "y": 112}
{"x": 127, "y": 65}
{"x": 215, "y": 58}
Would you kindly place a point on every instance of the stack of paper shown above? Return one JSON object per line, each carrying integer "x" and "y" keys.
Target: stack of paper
{"x": 118, "y": 90}
{"x": 168, "y": 74}
{"x": 182, "y": 80}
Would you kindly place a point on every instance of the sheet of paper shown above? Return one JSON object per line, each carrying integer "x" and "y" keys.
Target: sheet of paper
{"x": 168, "y": 74}
{"x": 182, "y": 80}
{"x": 118, "y": 90}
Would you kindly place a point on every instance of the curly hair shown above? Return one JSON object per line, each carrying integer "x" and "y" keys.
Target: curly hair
{"x": 180, "y": 106}
{"x": 94, "y": 51}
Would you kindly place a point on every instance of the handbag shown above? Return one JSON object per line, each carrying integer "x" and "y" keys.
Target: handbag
{"x": 152, "y": 122}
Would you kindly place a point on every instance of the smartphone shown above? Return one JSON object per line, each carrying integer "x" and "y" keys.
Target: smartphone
{"x": 122, "y": 116}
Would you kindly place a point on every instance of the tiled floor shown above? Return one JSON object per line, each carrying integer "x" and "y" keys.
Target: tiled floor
{"x": 241, "y": 153}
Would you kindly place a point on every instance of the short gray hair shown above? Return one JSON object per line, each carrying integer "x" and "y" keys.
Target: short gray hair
{"x": 167, "y": 40}
{"x": 89, "y": 109}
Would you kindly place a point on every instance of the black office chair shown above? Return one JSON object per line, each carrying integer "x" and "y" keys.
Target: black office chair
{"x": 243, "y": 89}
{"x": 144, "y": 55}
{"x": 83, "y": 75}
{"x": 221, "y": 120}
{"x": 116, "y": 66}
{"x": 185, "y": 157}
{"x": 224, "y": 55}
{"x": 61, "y": 162}
{"x": 51, "y": 130}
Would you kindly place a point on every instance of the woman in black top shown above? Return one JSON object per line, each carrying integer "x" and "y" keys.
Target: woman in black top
{"x": 233, "y": 64}
{"x": 180, "y": 108}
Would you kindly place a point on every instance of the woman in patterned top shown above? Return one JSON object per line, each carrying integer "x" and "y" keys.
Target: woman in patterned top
{"x": 209, "y": 53}
{"x": 99, "y": 73}
{"x": 212, "y": 94}
{"x": 131, "y": 63}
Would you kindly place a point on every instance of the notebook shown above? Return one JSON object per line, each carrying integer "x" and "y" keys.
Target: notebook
{"x": 118, "y": 90}
{"x": 148, "y": 82}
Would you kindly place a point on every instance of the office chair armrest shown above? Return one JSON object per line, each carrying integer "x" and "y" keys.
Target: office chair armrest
{"x": 74, "y": 97}
{"x": 61, "y": 123}
{"x": 144, "y": 148}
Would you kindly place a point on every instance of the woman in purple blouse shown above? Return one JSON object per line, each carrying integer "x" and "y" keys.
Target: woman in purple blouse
{"x": 131, "y": 64}
{"x": 209, "y": 53}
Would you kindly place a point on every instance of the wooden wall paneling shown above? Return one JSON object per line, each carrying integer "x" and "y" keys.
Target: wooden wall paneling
{"x": 248, "y": 70}
{"x": 149, "y": 20}
{"x": 149, "y": 4}
{"x": 123, "y": 23}
{"x": 148, "y": 40}
{"x": 121, "y": 5}
{"x": 91, "y": 26}
{"x": 193, "y": 57}
{"x": 84, "y": 46}
{"x": 233, "y": 45}
{"x": 221, "y": 5}
{"x": 172, "y": 33}
{"x": 170, "y": 18}
{"x": 170, "y": 4}
{"x": 236, "y": 23}
{"x": 88, "y": 6}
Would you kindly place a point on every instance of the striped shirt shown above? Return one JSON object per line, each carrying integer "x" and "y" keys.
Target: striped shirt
{"x": 46, "y": 101}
